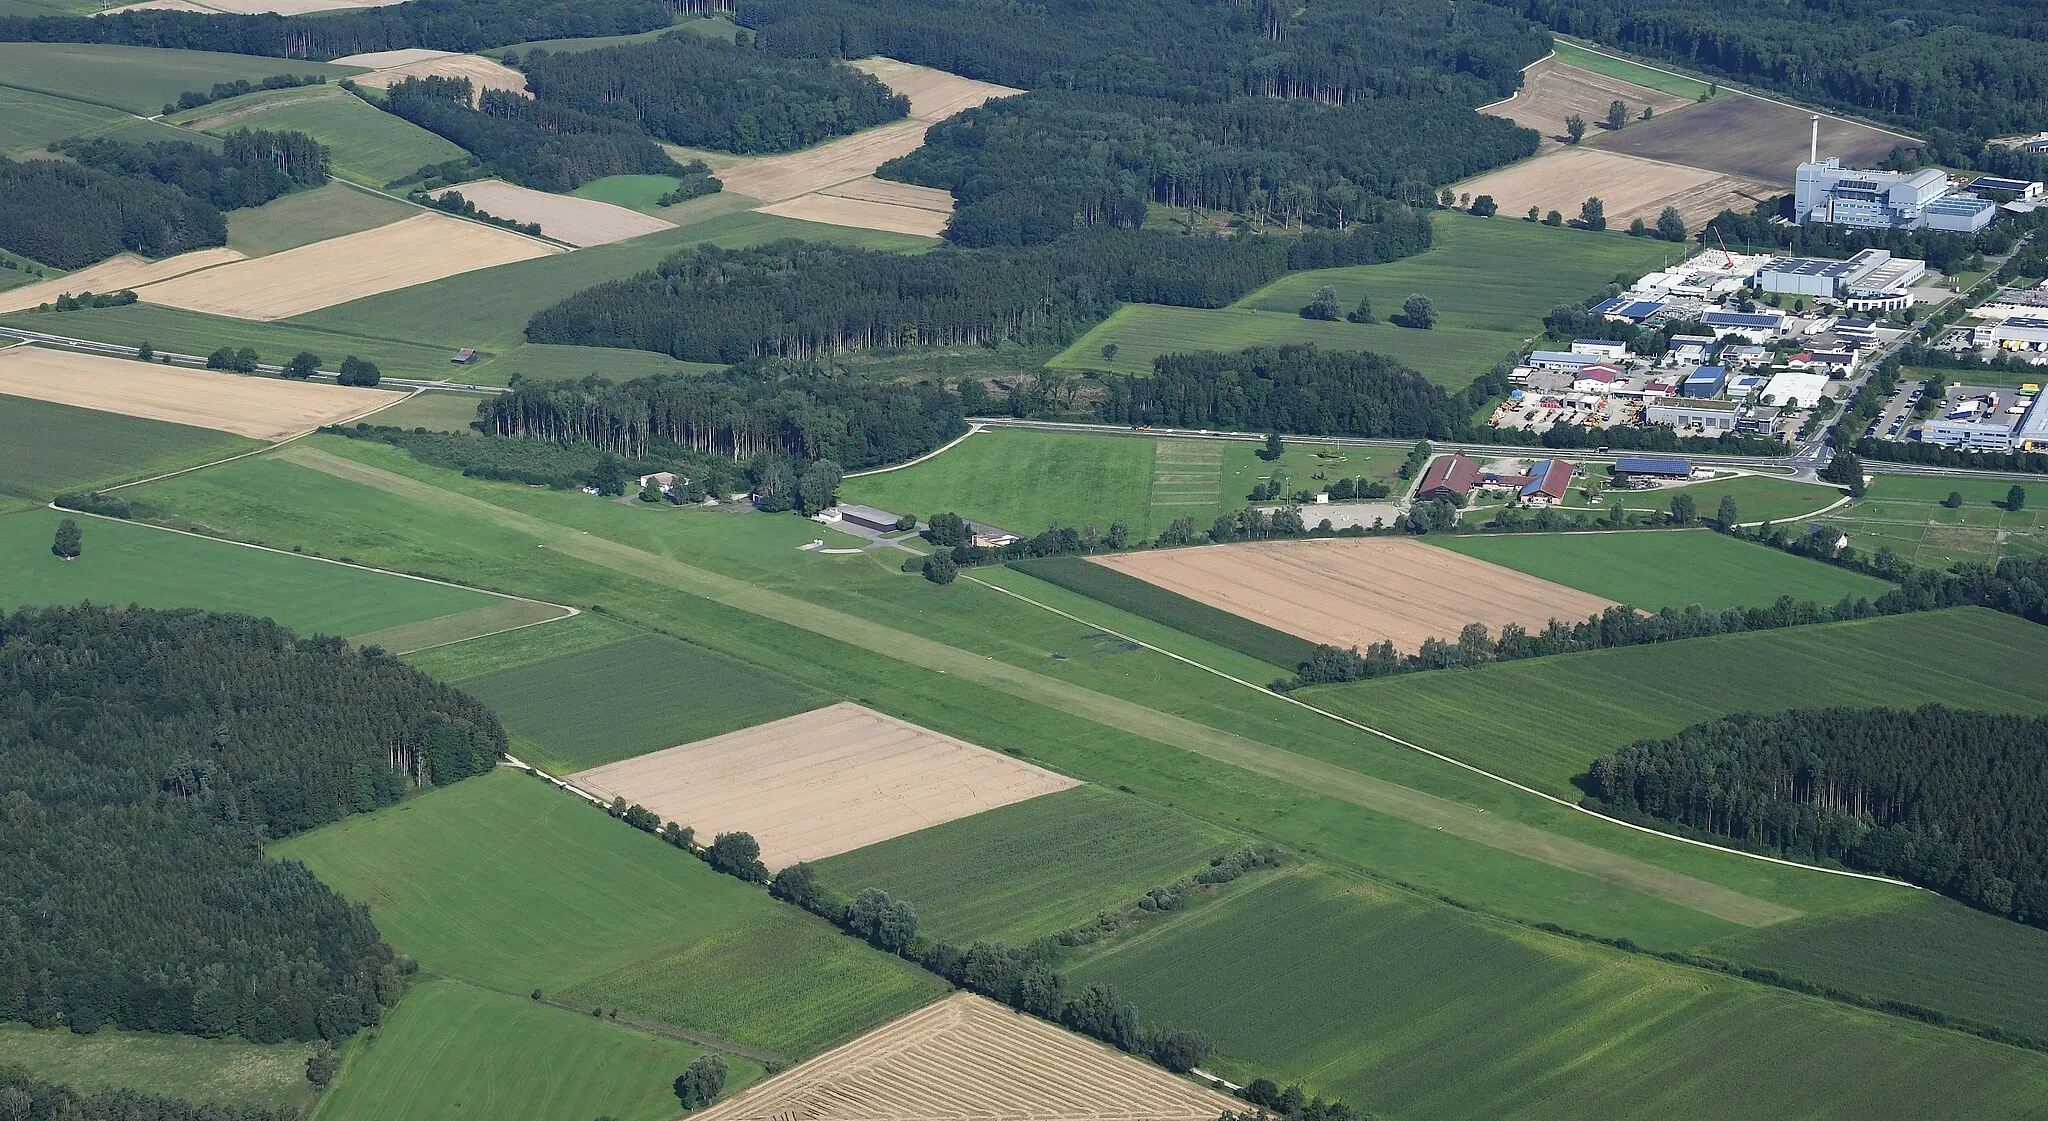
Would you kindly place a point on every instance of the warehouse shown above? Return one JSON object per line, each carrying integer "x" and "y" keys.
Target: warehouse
{"x": 1628, "y": 309}
{"x": 1684, "y": 412}
{"x": 2031, "y": 434}
{"x": 1869, "y": 273}
{"x": 1654, "y": 466}
{"x": 1755, "y": 326}
{"x": 1795, "y": 388}
{"x": 1561, "y": 360}
{"x": 1960, "y": 214}
{"x": 1705, "y": 382}
{"x": 1605, "y": 349}
{"x": 2022, "y": 333}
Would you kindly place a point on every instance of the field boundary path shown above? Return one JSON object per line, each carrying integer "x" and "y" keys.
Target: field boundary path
{"x": 1492, "y": 830}
{"x": 972, "y": 428}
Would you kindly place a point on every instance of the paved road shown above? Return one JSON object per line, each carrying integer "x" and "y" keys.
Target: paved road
{"x": 89, "y": 346}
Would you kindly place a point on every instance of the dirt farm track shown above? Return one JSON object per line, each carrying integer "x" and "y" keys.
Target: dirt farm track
{"x": 822, "y": 782}
{"x": 969, "y": 1059}
{"x": 1360, "y": 591}
{"x": 265, "y": 408}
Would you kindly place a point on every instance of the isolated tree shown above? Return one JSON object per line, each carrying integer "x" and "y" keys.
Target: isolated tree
{"x": 144, "y": 353}
{"x": 1954, "y": 501}
{"x": 1447, "y": 198}
{"x": 1485, "y": 207}
{"x": 1418, "y": 312}
{"x": 1275, "y": 447}
{"x": 1726, "y": 515}
{"x": 67, "y": 544}
{"x": 1119, "y": 534}
{"x": 1553, "y": 219}
{"x": 1649, "y": 111}
{"x": 815, "y": 487}
{"x": 1363, "y": 312}
{"x": 222, "y": 359}
{"x": 608, "y": 475}
{"x": 1638, "y": 227}
{"x": 359, "y": 372}
{"x": 245, "y": 360}
{"x": 1845, "y": 468}
{"x": 650, "y": 491}
{"x": 1108, "y": 353}
{"x": 1324, "y": 306}
{"x": 2016, "y": 498}
{"x": 1593, "y": 214}
{"x": 324, "y": 1061}
{"x": 1535, "y": 215}
{"x": 940, "y": 568}
{"x": 1683, "y": 511}
{"x": 737, "y": 854}
{"x": 1575, "y": 128}
{"x": 1671, "y": 224}
{"x": 700, "y": 1084}
{"x": 304, "y": 364}
{"x": 1617, "y": 115}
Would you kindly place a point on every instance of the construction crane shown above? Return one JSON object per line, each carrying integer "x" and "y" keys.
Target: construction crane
{"x": 1727, "y": 258}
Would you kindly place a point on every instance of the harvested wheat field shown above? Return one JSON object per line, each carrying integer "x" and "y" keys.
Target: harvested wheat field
{"x": 822, "y": 782}
{"x": 861, "y": 214}
{"x": 775, "y": 178}
{"x": 1628, "y": 187}
{"x": 263, "y": 408}
{"x": 576, "y": 221}
{"x": 934, "y": 94}
{"x": 123, "y": 270}
{"x": 1357, "y": 592}
{"x": 1552, "y": 91}
{"x": 967, "y": 1058}
{"x": 1747, "y": 136}
{"x": 421, "y": 248}
{"x": 391, "y": 67}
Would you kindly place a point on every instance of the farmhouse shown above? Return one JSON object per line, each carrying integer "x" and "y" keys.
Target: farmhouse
{"x": 666, "y": 480}
{"x": 1450, "y": 476}
{"x": 1549, "y": 480}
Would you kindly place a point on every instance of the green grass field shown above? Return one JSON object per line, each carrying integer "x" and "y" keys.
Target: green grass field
{"x": 32, "y": 121}
{"x": 507, "y": 883}
{"x": 1492, "y": 281}
{"x": 137, "y": 79}
{"x": 124, "y": 563}
{"x": 47, "y": 448}
{"x": 464, "y": 660}
{"x": 1757, "y": 498}
{"x": 645, "y": 693}
{"x": 1278, "y": 649}
{"x": 1571, "y": 54}
{"x": 2010, "y": 379}
{"x": 1919, "y": 947}
{"x": 451, "y": 1050}
{"x": 1412, "y": 1009}
{"x": 1655, "y": 569}
{"x": 309, "y": 216}
{"x": 1543, "y": 721}
{"x": 260, "y": 1076}
{"x": 1031, "y": 869}
{"x": 369, "y": 145}
{"x": 1904, "y": 513}
{"x": 1024, "y": 480}
{"x": 192, "y": 332}
{"x": 635, "y": 192}
{"x": 436, "y": 412}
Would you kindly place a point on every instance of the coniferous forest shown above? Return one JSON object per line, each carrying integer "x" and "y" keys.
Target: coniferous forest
{"x": 70, "y": 216}
{"x": 1952, "y": 800}
{"x": 251, "y": 168}
{"x": 690, "y": 90}
{"x": 532, "y": 143}
{"x": 1287, "y": 389}
{"x": 145, "y": 757}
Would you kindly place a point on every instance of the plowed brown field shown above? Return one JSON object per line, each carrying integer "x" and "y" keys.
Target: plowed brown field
{"x": 425, "y": 247}
{"x": 822, "y": 782}
{"x": 264, "y": 408}
{"x": 969, "y": 1059}
{"x": 1552, "y": 91}
{"x": 1357, "y": 592}
{"x": 1747, "y": 136}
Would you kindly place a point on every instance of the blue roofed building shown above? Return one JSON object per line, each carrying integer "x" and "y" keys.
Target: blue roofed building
{"x": 1655, "y": 466}
{"x": 1707, "y": 381}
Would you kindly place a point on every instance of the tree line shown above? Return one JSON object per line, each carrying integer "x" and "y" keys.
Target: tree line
{"x": 532, "y": 143}
{"x": 1028, "y": 169}
{"x": 1294, "y": 388}
{"x": 1974, "y": 66}
{"x": 24, "y": 1097}
{"x": 799, "y": 299}
{"x": 443, "y": 25}
{"x": 221, "y": 91}
{"x": 251, "y": 168}
{"x": 690, "y": 90}
{"x": 1952, "y": 800}
{"x": 146, "y": 756}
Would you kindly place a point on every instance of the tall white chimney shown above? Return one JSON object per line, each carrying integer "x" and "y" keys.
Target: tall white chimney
{"x": 1813, "y": 154}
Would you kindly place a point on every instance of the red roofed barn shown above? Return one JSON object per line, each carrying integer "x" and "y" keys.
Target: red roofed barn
{"x": 1450, "y": 476}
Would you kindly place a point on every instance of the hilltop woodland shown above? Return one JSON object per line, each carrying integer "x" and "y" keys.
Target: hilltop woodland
{"x": 146, "y": 756}
{"x": 1950, "y": 800}
{"x": 154, "y": 199}
{"x": 800, "y": 299}
{"x": 532, "y": 143}
{"x": 690, "y": 90}
{"x": 1973, "y": 66}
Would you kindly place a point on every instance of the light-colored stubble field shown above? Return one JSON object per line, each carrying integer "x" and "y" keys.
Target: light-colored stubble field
{"x": 1360, "y": 591}
{"x": 967, "y": 1058}
{"x": 1552, "y": 90}
{"x": 823, "y": 782}
{"x": 562, "y": 217}
{"x": 264, "y": 408}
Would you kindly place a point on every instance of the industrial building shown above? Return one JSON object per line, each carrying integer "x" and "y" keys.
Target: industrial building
{"x": 2021, "y": 333}
{"x": 1595, "y": 379}
{"x": 1654, "y": 466}
{"x": 1756, "y": 326}
{"x": 1873, "y": 272}
{"x": 1685, "y": 412}
{"x": 1561, "y": 360}
{"x": 1606, "y": 349}
{"x": 1825, "y": 191}
{"x": 1795, "y": 388}
{"x": 2031, "y": 434}
{"x": 2020, "y": 189}
{"x": 1707, "y": 382}
{"x": 1628, "y": 309}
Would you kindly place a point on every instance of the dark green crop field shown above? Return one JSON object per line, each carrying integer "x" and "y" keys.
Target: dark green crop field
{"x": 596, "y": 706}
{"x": 1276, "y": 648}
{"x": 1032, "y": 868}
{"x": 47, "y": 448}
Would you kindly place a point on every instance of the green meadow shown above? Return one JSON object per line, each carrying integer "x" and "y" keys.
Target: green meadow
{"x": 231, "y": 1072}
{"x": 1571, "y": 54}
{"x": 507, "y": 883}
{"x": 1411, "y": 1009}
{"x": 191, "y": 332}
{"x": 32, "y": 121}
{"x": 584, "y": 709}
{"x": 1906, "y": 514}
{"x": 369, "y": 145}
{"x": 452, "y": 1050}
{"x": 1032, "y": 868}
{"x": 634, "y": 192}
{"x": 47, "y": 449}
{"x": 1657, "y": 569}
{"x": 125, "y": 563}
{"x": 1492, "y": 281}
{"x": 478, "y": 656}
{"x": 137, "y": 79}
{"x": 436, "y": 412}
{"x": 309, "y": 216}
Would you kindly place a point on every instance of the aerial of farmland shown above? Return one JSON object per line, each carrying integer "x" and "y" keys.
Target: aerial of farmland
{"x": 891, "y": 560}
